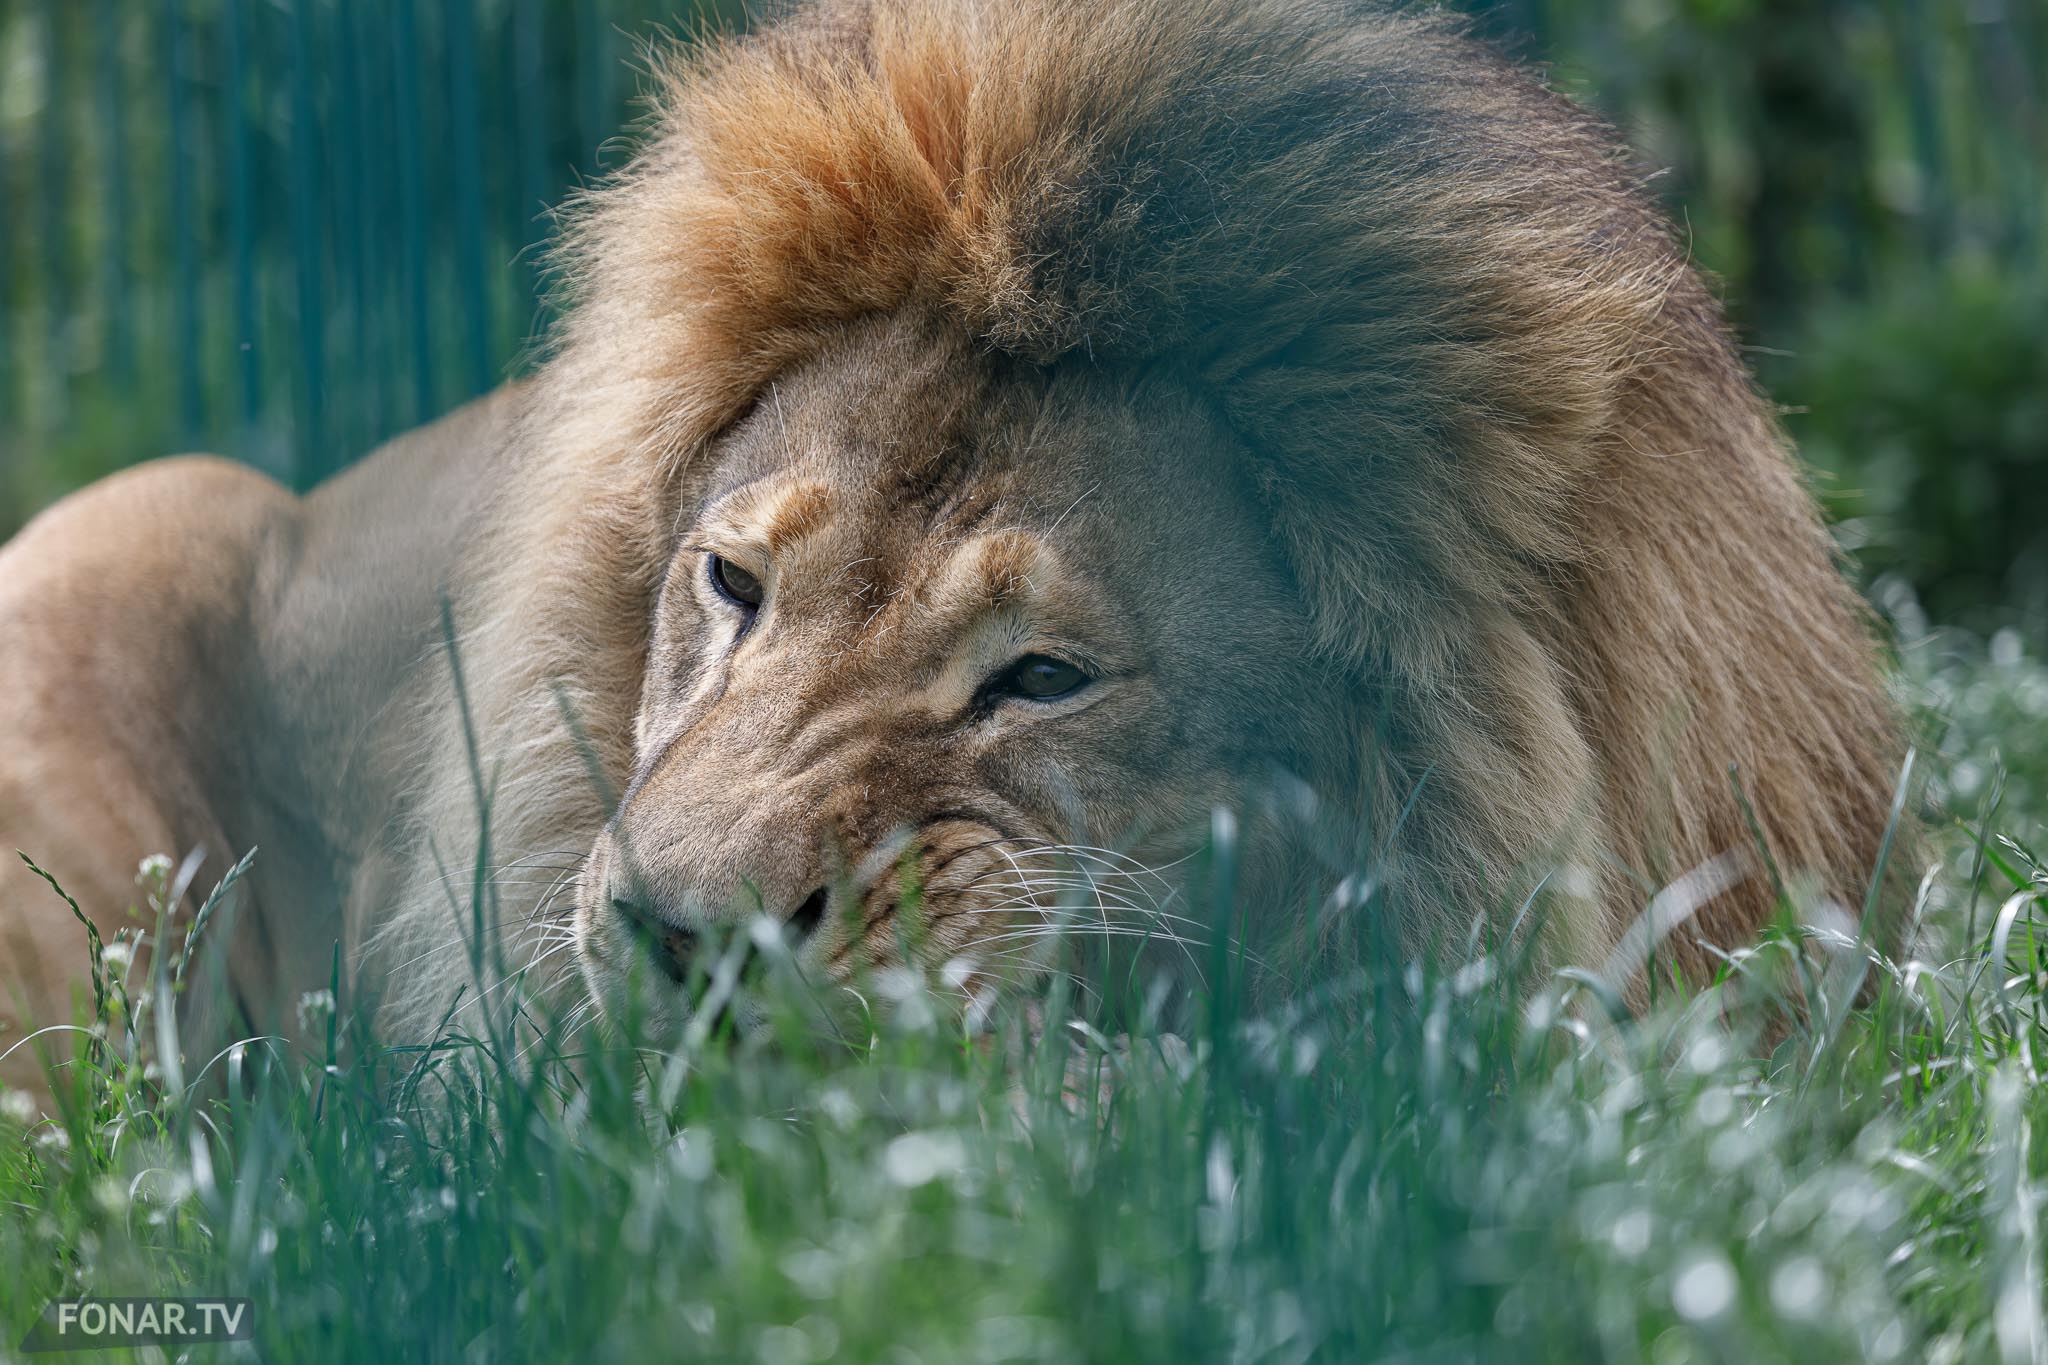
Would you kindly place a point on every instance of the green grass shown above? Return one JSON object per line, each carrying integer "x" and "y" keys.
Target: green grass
{"x": 1412, "y": 1165}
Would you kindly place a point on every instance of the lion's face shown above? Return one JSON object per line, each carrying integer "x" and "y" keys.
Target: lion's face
{"x": 946, "y": 649}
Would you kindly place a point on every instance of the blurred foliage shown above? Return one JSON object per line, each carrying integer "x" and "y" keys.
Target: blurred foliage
{"x": 1869, "y": 180}
{"x": 288, "y": 228}
{"x": 1932, "y": 401}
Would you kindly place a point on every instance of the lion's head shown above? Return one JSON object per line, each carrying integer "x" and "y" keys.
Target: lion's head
{"x": 986, "y": 429}
{"x": 1019, "y": 625}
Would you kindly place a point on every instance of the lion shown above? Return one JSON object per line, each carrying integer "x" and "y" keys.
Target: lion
{"x": 994, "y": 449}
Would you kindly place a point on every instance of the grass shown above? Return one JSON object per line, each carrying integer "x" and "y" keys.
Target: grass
{"x": 1412, "y": 1165}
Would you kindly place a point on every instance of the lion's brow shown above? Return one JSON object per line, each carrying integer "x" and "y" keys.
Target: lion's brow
{"x": 797, "y": 511}
{"x": 991, "y": 569}
{"x": 772, "y": 515}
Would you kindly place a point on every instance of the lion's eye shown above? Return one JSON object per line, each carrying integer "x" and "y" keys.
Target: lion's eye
{"x": 735, "y": 583}
{"x": 1042, "y": 678}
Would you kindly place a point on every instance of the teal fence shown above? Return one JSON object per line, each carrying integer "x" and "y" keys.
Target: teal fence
{"x": 283, "y": 229}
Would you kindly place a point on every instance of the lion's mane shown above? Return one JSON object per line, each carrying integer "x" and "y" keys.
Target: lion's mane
{"x": 1534, "y": 505}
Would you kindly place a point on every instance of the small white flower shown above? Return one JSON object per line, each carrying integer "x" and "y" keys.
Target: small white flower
{"x": 17, "y": 1105}
{"x": 154, "y": 868}
{"x": 842, "y": 1108}
{"x": 919, "y": 1158}
{"x": 54, "y": 1138}
{"x": 119, "y": 954}
{"x": 1704, "y": 1287}
{"x": 314, "y": 1008}
{"x": 1799, "y": 1288}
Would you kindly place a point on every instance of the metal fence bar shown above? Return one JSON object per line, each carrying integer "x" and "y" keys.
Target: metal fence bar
{"x": 312, "y": 458}
{"x": 594, "y": 70}
{"x": 53, "y": 197}
{"x": 7, "y": 308}
{"x": 241, "y": 219}
{"x": 412, "y": 204}
{"x": 532, "y": 117}
{"x": 375, "y": 208}
{"x": 184, "y": 225}
{"x": 117, "y": 279}
{"x": 347, "y": 158}
{"x": 466, "y": 108}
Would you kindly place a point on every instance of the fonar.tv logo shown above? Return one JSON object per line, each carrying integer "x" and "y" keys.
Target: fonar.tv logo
{"x": 94, "y": 1323}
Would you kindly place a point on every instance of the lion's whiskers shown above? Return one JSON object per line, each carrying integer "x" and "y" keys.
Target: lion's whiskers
{"x": 541, "y": 917}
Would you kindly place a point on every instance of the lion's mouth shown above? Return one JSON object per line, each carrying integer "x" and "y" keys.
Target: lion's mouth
{"x": 968, "y": 911}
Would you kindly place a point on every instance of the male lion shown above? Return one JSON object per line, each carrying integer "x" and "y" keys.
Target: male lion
{"x": 986, "y": 434}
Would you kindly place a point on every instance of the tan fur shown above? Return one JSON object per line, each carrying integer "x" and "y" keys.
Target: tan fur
{"x": 1525, "y": 547}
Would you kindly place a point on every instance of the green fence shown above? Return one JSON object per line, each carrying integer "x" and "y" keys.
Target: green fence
{"x": 282, "y": 229}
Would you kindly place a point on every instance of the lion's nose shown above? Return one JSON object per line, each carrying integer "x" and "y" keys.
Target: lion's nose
{"x": 672, "y": 944}
{"x": 804, "y": 921}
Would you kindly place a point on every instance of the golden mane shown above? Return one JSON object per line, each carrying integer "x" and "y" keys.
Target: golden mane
{"x": 1532, "y": 501}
